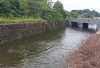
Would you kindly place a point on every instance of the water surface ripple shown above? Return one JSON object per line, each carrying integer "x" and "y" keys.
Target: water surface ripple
{"x": 45, "y": 50}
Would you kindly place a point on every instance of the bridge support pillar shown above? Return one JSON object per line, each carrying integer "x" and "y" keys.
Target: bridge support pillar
{"x": 74, "y": 24}
{"x": 85, "y": 25}
{"x": 98, "y": 26}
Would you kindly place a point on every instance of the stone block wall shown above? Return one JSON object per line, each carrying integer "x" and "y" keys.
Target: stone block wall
{"x": 12, "y": 32}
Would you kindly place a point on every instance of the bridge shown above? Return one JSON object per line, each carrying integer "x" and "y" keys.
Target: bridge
{"x": 85, "y": 22}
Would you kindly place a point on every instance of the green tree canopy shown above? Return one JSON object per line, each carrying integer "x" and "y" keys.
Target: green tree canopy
{"x": 30, "y": 8}
{"x": 58, "y": 6}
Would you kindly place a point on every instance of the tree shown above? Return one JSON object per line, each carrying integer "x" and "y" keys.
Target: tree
{"x": 4, "y": 8}
{"x": 34, "y": 7}
{"x": 52, "y": 15}
{"x": 15, "y": 7}
{"x": 58, "y": 6}
{"x": 30, "y": 8}
{"x": 24, "y": 7}
{"x": 74, "y": 15}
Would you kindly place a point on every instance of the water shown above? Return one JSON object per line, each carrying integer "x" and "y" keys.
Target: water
{"x": 47, "y": 50}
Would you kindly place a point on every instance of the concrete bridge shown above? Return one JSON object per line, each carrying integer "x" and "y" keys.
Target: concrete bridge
{"x": 85, "y": 22}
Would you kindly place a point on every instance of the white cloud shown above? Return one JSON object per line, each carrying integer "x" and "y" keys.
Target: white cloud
{"x": 81, "y": 4}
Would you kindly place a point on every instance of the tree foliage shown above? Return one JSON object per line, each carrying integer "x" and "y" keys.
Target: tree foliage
{"x": 40, "y": 9}
{"x": 28, "y": 8}
{"x": 89, "y": 14}
{"x": 58, "y": 6}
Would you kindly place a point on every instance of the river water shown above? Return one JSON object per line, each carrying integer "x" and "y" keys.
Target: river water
{"x": 47, "y": 50}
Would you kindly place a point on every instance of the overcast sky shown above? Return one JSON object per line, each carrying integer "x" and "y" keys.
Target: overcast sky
{"x": 81, "y": 4}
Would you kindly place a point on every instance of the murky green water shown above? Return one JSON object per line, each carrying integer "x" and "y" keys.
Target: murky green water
{"x": 47, "y": 50}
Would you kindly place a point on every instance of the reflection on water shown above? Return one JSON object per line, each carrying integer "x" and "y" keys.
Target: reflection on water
{"x": 46, "y": 50}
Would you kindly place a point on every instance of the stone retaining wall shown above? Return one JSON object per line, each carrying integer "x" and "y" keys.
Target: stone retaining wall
{"x": 11, "y": 32}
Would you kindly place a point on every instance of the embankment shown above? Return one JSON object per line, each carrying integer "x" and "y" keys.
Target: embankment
{"x": 87, "y": 55}
{"x": 11, "y": 32}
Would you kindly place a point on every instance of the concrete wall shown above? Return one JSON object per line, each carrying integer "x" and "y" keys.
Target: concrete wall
{"x": 11, "y": 32}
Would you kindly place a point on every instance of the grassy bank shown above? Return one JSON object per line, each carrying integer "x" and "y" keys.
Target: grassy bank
{"x": 19, "y": 20}
{"x": 87, "y": 55}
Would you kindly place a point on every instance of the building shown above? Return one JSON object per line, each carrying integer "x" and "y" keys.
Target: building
{"x": 83, "y": 14}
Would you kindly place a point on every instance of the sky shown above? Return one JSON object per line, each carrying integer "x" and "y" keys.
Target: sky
{"x": 80, "y": 4}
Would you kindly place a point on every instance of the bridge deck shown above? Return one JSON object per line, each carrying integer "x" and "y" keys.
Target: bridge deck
{"x": 94, "y": 21}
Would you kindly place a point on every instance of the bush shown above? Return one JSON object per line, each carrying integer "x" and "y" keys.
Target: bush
{"x": 52, "y": 15}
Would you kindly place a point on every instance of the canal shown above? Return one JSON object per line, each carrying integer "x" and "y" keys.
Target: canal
{"x": 47, "y": 50}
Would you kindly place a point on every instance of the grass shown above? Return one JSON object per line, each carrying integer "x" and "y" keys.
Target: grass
{"x": 20, "y": 20}
{"x": 87, "y": 55}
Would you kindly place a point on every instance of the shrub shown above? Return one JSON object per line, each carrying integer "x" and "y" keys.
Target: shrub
{"x": 52, "y": 15}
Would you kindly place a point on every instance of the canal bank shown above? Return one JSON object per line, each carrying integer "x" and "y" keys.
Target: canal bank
{"x": 12, "y": 32}
{"x": 87, "y": 55}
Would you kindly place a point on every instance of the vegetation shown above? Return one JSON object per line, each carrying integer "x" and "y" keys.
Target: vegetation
{"x": 87, "y": 55}
{"x": 58, "y": 6}
{"x": 86, "y": 13}
{"x": 20, "y": 20}
{"x": 36, "y": 9}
